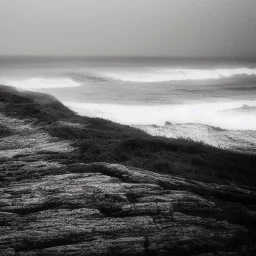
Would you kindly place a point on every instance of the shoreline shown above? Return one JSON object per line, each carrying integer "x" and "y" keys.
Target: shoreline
{"x": 225, "y": 137}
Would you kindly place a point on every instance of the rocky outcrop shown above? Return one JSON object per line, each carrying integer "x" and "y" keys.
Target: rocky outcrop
{"x": 109, "y": 209}
{"x": 26, "y": 139}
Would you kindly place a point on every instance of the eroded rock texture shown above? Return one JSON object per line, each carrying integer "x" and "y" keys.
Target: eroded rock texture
{"x": 110, "y": 209}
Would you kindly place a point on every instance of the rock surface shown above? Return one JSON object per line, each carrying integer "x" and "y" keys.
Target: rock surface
{"x": 110, "y": 209}
{"x": 25, "y": 138}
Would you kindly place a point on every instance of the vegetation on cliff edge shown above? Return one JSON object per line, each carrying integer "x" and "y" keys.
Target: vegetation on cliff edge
{"x": 102, "y": 140}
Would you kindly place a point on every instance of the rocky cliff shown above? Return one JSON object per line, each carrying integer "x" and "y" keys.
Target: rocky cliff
{"x": 55, "y": 203}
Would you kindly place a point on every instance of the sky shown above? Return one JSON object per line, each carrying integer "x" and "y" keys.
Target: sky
{"x": 179, "y": 28}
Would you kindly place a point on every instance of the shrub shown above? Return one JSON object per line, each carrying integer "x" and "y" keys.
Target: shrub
{"x": 163, "y": 166}
{"x": 197, "y": 160}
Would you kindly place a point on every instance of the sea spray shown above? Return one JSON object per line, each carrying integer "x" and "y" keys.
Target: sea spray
{"x": 167, "y": 74}
{"x": 225, "y": 115}
{"x": 42, "y": 83}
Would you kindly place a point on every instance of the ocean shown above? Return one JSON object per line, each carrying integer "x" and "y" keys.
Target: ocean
{"x": 211, "y": 101}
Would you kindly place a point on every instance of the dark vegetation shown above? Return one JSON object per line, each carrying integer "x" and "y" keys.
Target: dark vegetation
{"x": 102, "y": 140}
{"x": 4, "y": 131}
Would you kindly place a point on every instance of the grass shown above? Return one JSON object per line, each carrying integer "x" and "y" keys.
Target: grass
{"x": 173, "y": 156}
{"x": 102, "y": 140}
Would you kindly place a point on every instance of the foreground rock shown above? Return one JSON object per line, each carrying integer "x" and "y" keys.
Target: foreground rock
{"x": 106, "y": 209}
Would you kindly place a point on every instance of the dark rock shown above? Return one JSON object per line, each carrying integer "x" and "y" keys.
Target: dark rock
{"x": 89, "y": 213}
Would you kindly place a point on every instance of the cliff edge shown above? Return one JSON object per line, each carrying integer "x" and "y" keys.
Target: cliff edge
{"x": 72, "y": 185}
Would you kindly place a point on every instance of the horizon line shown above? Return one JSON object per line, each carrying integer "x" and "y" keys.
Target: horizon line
{"x": 128, "y": 56}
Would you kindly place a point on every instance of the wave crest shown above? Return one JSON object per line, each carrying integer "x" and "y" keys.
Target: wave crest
{"x": 42, "y": 83}
{"x": 165, "y": 75}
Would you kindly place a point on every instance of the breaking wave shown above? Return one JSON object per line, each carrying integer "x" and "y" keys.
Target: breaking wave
{"x": 244, "y": 109}
{"x": 42, "y": 83}
{"x": 219, "y": 114}
{"x": 167, "y": 74}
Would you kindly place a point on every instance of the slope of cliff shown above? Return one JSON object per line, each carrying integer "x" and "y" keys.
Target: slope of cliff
{"x": 72, "y": 185}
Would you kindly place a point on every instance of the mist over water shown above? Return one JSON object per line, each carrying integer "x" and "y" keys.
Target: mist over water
{"x": 165, "y": 74}
{"x": 212, "y": 101}
{"x": 225, "y": 115}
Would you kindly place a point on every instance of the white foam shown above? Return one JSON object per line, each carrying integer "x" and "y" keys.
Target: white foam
{"x": 167, "y": 74}
{"x": 240, "y": 140}
{"x": 42, "y": 83}
{"x": 213, "y": 114}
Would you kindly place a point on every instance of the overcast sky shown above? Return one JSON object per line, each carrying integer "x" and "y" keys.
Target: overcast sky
{"x": 201, "y": 28}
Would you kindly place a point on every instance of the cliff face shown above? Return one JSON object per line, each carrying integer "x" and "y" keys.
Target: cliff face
{"x": 55, "y": 203}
